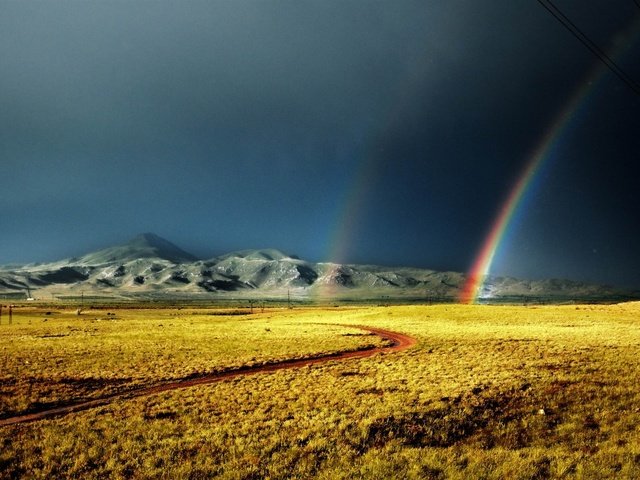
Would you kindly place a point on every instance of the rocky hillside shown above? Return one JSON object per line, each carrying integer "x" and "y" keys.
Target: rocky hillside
{"x": 150, "y": 266}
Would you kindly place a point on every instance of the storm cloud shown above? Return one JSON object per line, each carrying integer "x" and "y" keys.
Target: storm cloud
{"x": 236, "y": 124}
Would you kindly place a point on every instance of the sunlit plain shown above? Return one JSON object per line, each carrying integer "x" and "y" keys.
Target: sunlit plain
{"x": 487, "y": 392}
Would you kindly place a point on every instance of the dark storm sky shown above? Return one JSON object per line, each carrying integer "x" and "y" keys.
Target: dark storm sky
{"x": 224, "y": 125}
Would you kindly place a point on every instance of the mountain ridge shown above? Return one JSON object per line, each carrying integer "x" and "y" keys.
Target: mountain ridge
{"x": 144, "y": 245}
{"x": 149, "y": 266}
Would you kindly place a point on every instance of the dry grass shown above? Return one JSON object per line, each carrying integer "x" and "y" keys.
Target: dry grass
{"x": 55, "y": 356}
{"x": 488, "y": 392}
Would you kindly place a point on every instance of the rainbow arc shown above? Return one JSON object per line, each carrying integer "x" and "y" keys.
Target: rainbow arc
{"x": 473, "y": 288}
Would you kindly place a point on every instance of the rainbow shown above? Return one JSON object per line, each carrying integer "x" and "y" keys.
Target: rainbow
{"x": 366, "y": 172}
{"x": 350, "y": 210}
{"x": 482, "y": 264}
{"x": 473, "y": 286}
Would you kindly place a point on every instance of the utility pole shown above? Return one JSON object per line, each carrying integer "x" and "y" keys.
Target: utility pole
{"x": 10, "y": 314}
{"x": 289, "y": 298}
{"x": 0, "y": 314}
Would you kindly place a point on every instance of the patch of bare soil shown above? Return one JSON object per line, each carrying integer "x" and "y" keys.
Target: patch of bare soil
{"x": 509, "y": 419}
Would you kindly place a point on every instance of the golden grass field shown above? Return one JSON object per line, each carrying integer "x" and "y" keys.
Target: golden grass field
{"x": 488, "y": 392}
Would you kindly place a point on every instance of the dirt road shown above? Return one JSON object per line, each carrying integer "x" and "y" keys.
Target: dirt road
{"x": 398, "y": 341}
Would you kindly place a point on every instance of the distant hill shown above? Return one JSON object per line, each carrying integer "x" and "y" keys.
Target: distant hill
{"x": 149, "y": 266}
{"x": 145, "y": 245}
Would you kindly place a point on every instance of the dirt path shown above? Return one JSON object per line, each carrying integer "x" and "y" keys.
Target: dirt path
{"x": 398, "y": 341}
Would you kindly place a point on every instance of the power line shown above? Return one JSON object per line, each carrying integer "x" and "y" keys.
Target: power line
{"x": 637, "y": 3}
{"x": 586, "y": 41}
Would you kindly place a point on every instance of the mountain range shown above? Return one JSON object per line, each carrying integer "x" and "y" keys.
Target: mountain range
{"x": 151, "y": 267}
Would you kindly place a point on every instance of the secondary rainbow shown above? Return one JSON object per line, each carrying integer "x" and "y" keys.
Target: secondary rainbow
{"x": 367, "y": 172}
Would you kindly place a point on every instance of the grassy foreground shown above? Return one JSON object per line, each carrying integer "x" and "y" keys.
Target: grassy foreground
{"x": 488, "y": 392}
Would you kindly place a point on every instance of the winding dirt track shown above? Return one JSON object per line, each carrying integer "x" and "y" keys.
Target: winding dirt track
{"x": 399, "y": 341}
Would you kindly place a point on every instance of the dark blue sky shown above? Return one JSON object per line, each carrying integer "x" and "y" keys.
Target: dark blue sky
{"x": 224, "y": 125}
